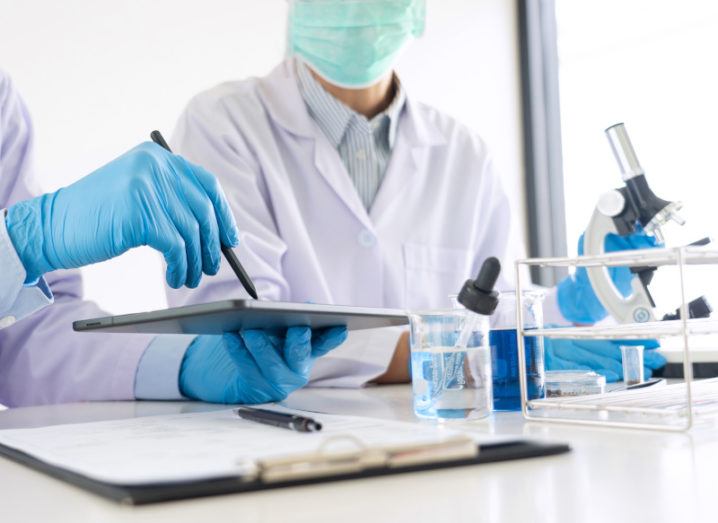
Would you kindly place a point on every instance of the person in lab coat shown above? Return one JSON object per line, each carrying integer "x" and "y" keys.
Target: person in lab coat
{"x": 350, "y": 191}
{"x": 147, "y": 196}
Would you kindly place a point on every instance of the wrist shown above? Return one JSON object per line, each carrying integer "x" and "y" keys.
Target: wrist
{"x": 398, "y": 370}
{"x": 565, "y": 290}
{"x": 25, "y": 229}
{"x": 184, "y": 370}
{"x": 158, "y": 372}
{"x": 576, "y": 300}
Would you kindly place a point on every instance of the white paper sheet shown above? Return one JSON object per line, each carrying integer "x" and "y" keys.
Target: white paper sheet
{"x": 182, "y": 447}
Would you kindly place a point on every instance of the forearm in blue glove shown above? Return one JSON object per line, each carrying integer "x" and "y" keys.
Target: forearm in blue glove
{"x": 576, "y": 299}
{"x": 601, "y": 356}
{"x": 147, "y": 196}
{"x": 254, "y": 366}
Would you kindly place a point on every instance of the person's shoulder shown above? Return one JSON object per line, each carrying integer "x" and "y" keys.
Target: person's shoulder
{"x": 225, "y": 98}
{"x": 454, "y": 133}
{"x": 11, "y": 103}
{"x": 6, "y": 87}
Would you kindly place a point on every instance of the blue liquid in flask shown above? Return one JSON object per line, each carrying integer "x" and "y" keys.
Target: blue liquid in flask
{"x": 505, "y": 369}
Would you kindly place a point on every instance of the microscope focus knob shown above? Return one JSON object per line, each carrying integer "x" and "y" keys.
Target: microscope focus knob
{"x": 611, "y": 203}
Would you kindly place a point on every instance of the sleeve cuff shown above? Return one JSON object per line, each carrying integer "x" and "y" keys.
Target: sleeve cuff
{"x": 16, "y": 299}
{"x": 157, "y": 375}
{"x": 364, "y": 356}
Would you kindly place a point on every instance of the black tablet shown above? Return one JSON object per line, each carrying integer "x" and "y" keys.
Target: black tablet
{"x": 233, "y": 315}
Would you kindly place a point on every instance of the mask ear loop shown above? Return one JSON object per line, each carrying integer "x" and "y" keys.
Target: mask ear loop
{"x": 287, "y": 32}
{"x": 419, "y": 9}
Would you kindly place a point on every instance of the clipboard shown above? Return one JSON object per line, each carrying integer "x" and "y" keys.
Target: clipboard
{"x": 362, "y": 466}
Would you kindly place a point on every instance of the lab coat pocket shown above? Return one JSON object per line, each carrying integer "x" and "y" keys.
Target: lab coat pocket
{"x": 432, "y": 273}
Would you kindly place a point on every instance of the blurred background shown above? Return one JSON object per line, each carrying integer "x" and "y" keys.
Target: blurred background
{"x": 650, "y": 64}
{"x": 99, "y": 75}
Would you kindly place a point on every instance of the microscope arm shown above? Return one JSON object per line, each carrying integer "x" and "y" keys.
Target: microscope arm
{"x": 638, "y": 306}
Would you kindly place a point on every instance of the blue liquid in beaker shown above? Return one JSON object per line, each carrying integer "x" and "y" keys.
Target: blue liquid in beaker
{"x": 505, "y": 368}
{"x": 450, "y": 383}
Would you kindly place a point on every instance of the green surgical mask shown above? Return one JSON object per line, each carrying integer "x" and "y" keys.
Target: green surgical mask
{"x": 353, "y": 43}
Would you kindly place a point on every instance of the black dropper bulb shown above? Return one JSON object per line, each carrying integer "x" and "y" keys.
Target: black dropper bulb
{"x": 479, "y": 295}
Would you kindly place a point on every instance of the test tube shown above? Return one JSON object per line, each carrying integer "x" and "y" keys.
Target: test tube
{"x": 632, "y": 358}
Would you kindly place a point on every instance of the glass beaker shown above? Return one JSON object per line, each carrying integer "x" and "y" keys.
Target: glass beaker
{"x": 450, "y": 379}
{"x": 503, "y": 339}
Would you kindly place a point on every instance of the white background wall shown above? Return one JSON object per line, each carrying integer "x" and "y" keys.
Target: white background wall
{"x": 652, "y": 66}
{"x": 99, "y": 75}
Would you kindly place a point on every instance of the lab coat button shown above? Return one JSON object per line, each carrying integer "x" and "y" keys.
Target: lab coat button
{"x": 7, "y": 321}
{"x": 366, "y": 239}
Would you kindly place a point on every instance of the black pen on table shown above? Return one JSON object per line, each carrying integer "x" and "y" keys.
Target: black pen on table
{"x": 227, "y": 251}
{"x": 279, "y": 419}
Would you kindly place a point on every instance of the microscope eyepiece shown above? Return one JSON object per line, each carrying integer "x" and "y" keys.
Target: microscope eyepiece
{"x": 623, "y": 151}
{"x": 648, "y": 209}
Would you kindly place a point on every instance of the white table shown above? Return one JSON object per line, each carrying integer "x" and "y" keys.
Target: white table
{"x": 611, "y": 475}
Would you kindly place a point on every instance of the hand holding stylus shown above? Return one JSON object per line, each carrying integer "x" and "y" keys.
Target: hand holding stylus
{"x": 226, "y": 250}
{"x": 147, "y": 196}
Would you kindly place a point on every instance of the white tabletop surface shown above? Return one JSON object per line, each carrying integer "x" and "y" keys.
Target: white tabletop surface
{"x": 611, "y": 475}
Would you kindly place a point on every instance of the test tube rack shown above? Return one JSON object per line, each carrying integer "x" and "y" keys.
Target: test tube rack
{"x": 692, "y": 402}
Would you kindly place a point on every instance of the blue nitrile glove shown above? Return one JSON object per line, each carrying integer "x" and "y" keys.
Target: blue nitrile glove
{"x": 147, "y": 196}
{"x": 601, "y": 356}
{"x": 254, "y": 366}
{"x": 576, "y": 299}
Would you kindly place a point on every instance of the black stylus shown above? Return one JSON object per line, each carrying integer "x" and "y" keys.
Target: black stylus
{"x": 227, "y": 251}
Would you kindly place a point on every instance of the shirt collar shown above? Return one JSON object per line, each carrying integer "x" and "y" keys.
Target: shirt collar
{"x": 333, "y": 117}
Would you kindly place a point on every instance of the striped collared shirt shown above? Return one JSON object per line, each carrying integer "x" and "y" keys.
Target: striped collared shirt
{"x": 364, "y": 145}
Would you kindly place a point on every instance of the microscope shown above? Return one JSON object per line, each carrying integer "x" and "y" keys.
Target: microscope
{"x": 621, "y": 211}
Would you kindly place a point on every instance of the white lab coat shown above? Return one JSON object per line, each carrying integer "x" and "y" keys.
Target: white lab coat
{"x": 440, "y": 211}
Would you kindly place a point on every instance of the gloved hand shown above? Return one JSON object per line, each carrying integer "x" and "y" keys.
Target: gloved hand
{"x": 576, "y": 299}
{"x": 254, "y": 366}
{"x": 147, "y": 196}
{"x": 601, "y": 356}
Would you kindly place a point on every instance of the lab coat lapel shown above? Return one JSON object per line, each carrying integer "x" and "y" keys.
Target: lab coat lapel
{"x": 330, "y": 166}
{"x": 415, "y": 136}
{"x": 284, "y": 102}
{"x": 402, "y": 167}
